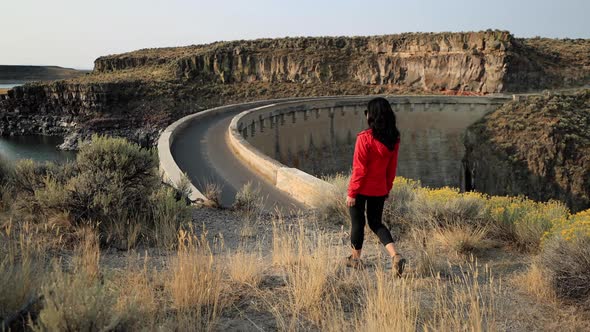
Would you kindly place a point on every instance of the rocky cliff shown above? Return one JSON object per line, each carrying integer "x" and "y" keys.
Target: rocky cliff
{"x": 135, "y": 94}
{"x": 539, "y": 147}
{"x": 430, "y": 62}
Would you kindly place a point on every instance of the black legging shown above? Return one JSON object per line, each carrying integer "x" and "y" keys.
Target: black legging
{"x": 374, "y": 213}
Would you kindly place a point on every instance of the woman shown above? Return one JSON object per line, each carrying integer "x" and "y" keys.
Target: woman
{"x": 373, "y": 171}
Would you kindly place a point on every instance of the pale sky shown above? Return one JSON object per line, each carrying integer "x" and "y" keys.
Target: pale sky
{"x": 72, "y": 33}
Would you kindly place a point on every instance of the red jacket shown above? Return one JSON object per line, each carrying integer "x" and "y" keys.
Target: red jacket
{"x": 373, "y": 166}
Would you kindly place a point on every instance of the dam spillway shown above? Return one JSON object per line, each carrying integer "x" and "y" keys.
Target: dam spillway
{"x": 318, "y": 137}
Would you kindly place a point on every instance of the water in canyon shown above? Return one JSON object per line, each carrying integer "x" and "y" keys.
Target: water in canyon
{"x": 9, "y": 85}
{"x": 37, "y": 148}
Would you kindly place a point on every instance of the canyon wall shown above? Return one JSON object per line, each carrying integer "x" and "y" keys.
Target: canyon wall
{"x": 538, "y": 147}
{"x": 136, "y": 94}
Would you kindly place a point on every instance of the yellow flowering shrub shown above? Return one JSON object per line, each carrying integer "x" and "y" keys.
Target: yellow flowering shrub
{"x": 523, "y": 221}
{"x": 572, "y": 227}
{"x": 516, "y": 220}
{"x": 444, "y": 205}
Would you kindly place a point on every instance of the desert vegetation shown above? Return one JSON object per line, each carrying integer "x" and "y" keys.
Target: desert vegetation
{"x": 101, "y": 244}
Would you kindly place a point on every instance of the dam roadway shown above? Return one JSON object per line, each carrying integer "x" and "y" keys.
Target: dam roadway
{"x": 203, "y": 153}
{"x": 268, "y": 139}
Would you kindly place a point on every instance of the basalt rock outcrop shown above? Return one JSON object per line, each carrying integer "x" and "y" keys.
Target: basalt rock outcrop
{"x": 539, "y": 147}
{"x": 147, "y": 89}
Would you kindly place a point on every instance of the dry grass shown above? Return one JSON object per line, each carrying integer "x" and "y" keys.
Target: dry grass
{"x": 195, "y": 283}
{"x": 80, "y": 300}
{"x": 428, "y": 260}
{"x": 288, "y": 242}
{"x": 535, "y": 281}
{"x": 249, "y": 202}
{"x": 390, "y": 304}
{"x": 466, "y": 303}
{"x": 21, "y": 270}
{"x": 333, "y": 207}
{"x": 213, "y": 193}
{"x": 298, "y": 282}
{"x": 245, "y": 268}
{"x": 199, "y": 290}
{"x": 461, "y": 239}
{"x": 567, "y": 265}
{"x": 309, "y": 278}
{"x": 3, "y": 91}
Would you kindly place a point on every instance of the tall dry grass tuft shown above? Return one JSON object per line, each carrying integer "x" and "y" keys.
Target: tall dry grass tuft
{"x": 87, "y": 258}
{"x": 213, "y": 193}
{"x": 249, "y": 202}
{"x": 288, "y": 242}
{"x": 536, "y": 282}
{"x": 567, "y": 265}
{"x": 80, "y": 300}
{"x": 22, "y": 271}
{"x": 245, "y": 268}
{"x": 390, "y": 304}
{"x": 307, "y": 261}
{"x": 461, "y": 239}
{"x": 466, "y": 303}
{"x": 195, "y": 284}
{"x": 309, "y": 278}
{"x": 168, "y": 215}
{"x": 428, "y": 261}
{"x": 138, "y": 297}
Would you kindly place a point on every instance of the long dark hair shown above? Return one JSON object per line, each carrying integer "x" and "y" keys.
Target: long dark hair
{"x": 382, "y": 121}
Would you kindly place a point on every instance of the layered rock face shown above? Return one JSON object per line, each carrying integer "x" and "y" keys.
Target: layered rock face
{"x": 78, "y": 110}
{"x": 430, "y": 62}
{"x": 145, "y": 90}
{"x": 539, "y": 147}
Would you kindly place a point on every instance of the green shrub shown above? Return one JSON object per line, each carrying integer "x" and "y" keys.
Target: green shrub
{"x": 28, "y": 176}
{"x": 168, "y": 214}
{"x": 113, "y": 184}
{"x": 521, "y": 221}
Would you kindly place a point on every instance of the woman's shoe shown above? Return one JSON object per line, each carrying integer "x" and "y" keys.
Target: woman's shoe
{"x": 399, "y": 263}
{"x": 355, "y": 263}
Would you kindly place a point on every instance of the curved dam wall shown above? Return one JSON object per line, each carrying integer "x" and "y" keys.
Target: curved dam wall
{"x": 318, "y": 137}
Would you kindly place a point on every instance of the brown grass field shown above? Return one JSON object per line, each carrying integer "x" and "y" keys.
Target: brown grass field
{"x": 3, "y": 91}
{"x": 476, "y": 263}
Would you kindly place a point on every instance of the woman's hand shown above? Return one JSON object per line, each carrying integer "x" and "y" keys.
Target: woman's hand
{"x": 350, "y": 201}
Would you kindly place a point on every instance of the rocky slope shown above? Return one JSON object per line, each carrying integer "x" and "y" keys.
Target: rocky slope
{"x": 136, "y": 94}
{"x": 539, "y": 147}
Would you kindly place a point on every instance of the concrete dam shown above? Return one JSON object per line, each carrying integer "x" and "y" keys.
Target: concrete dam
{"x": 318, "y": 137}
{"x": 283, "y": 146}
